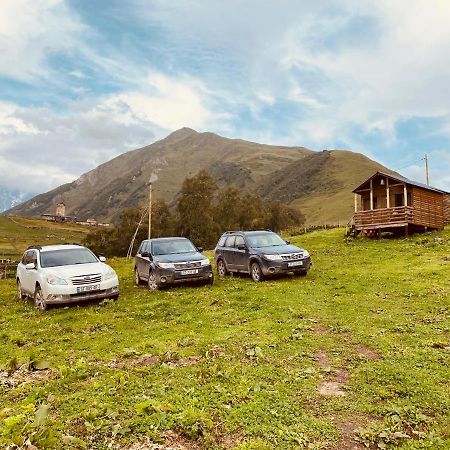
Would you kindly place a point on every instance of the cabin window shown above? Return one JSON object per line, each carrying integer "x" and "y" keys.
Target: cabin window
{"x": 399, "y": 200}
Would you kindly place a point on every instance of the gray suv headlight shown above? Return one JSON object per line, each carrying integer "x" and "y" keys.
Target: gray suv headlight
{"x": 273, "y": 257}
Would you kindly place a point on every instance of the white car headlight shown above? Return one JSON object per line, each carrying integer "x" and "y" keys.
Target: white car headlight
{"x": 273, "y": 257}
{"x": 165, "y": 265}
{"x": 205, "y": 262}
{"x": 305, "y": 254}
{"x": 110, "y": 273}
{"x": 54, "y": 280}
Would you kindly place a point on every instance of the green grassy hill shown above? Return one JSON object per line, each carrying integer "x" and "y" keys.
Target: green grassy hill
{"x": 17, "y": 233}
{"x": 320, "y": 183}
{"x": 357, "y": 350}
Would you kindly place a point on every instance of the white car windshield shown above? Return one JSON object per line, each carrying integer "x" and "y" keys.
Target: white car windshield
{"x": 172, "y": 247}
{"x": 69, "y": 257}
{"x": 264, "y": 240}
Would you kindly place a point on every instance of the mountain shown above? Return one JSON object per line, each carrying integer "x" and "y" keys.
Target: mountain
{"x": 319, "y": 183}
{"x": 10, "y": 198}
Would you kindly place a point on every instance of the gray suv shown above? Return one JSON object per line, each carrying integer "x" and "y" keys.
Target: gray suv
{"x": 168, "y": 261}
{"x": 259, "y": 253}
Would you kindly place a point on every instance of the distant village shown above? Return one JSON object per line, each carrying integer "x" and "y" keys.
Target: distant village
{"x": 60, "y": 216}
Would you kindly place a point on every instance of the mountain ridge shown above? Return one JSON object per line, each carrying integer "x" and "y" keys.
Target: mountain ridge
{"x": 295, "y": 175}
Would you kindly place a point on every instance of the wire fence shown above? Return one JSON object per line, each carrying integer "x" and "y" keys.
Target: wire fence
{"x": 7, "y": 268}
{"x": 309, "y": 228}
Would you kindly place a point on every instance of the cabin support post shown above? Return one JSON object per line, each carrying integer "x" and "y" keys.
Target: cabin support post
{"x": 405, "y": 195}
{"x": 356, "y": 202}
{"x": 371, "y": 194}
{"x": 388, "y": 194}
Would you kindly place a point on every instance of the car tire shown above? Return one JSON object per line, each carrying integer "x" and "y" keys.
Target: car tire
{"x": 152, "y": 284}
{"x": 221, "y": 268}
{"x": 300, "y": 273}
{"x": 39, "y": 301}
{"x": 20, "y": 293}
{"x": 256, "y": 272}
{"x": 137, "y": 278}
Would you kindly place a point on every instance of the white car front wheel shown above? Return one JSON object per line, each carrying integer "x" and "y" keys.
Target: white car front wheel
{"x": 20, "y": 293}
{"x": 39, "y": 300}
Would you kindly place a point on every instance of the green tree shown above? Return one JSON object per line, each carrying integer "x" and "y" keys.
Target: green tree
{"x": 163, "y": 221}
{"x": 228, "y": 209}
{"x": 115, "y": 241}
{"x": 280, "y": 216}
{"x": 195, "y": 212}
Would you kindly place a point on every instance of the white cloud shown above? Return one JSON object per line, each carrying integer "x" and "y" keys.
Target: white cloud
{"x": 92, "y": 131}
{"x": 172, "y": 104}
{"x": 30, "y": 31}
{"x": 62, "y": 146}
{"x": 10, "y": 124}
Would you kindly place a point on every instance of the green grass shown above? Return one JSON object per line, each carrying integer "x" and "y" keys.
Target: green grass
{"x": 237, "y": 365}
{"x": 17, "y": 233}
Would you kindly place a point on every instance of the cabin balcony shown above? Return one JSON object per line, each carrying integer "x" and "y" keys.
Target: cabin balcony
{"x": 399, "y": 216}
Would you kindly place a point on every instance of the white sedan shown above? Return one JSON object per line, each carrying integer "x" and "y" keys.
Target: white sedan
{"x": 61, "y": 274}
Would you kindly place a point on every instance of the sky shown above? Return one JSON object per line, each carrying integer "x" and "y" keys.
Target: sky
{"x": 82, "y": 81}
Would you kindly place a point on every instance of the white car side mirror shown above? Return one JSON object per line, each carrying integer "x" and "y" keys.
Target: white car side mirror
{"x": 101, "y": 258}
{"x": 30, "y": 266}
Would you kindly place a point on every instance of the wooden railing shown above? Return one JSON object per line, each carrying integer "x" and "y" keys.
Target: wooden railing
{"x": 397, "y": 216}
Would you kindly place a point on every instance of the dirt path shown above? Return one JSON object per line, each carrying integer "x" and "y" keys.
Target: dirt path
{"x": 334, "y": 385}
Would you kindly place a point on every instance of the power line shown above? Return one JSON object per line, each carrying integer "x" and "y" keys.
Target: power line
{"x": 409, "y": 164}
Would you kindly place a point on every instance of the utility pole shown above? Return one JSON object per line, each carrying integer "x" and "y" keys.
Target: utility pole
{"x": 426, "y": 168}
{"x": 150, "y": 211}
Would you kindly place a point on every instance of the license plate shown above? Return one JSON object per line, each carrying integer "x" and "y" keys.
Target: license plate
{"x": 94, "y": 287}
{"x": 295, "y": 263}
{"x": 189, "y": 272}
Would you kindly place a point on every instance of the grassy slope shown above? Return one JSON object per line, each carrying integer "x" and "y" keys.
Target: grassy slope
{"x": 390, "y": 296}
{"x": 17, "y": 233}
{"x": 331, "y": 199}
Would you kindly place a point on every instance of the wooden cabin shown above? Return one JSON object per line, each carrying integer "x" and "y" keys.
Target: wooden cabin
{"x": 393, "y": 203}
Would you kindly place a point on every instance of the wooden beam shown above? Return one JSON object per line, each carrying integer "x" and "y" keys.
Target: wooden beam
{"x": 356, "y": 202}
{"x": 371, "y": 194}
{"x": 388, "y": 194}
{"x": 405, "y": 195}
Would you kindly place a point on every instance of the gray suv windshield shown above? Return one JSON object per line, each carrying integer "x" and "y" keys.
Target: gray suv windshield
{"x": 264, "y": 240}
{"x": 173, "y": 247}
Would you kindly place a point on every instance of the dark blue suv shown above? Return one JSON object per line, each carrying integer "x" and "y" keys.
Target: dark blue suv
{"x": 259, "y": 253}
{"x": 168, "y": 261}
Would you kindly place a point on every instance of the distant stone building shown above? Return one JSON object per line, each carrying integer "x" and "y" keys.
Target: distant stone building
{"x": 61, "y": 210}
{"x": 60, "y": 214}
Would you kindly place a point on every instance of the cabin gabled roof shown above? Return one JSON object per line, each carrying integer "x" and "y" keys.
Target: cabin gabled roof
{"x": 401, "y": 180}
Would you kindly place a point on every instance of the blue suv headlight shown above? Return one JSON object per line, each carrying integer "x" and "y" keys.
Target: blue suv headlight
{"x": 165, "y": 265}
